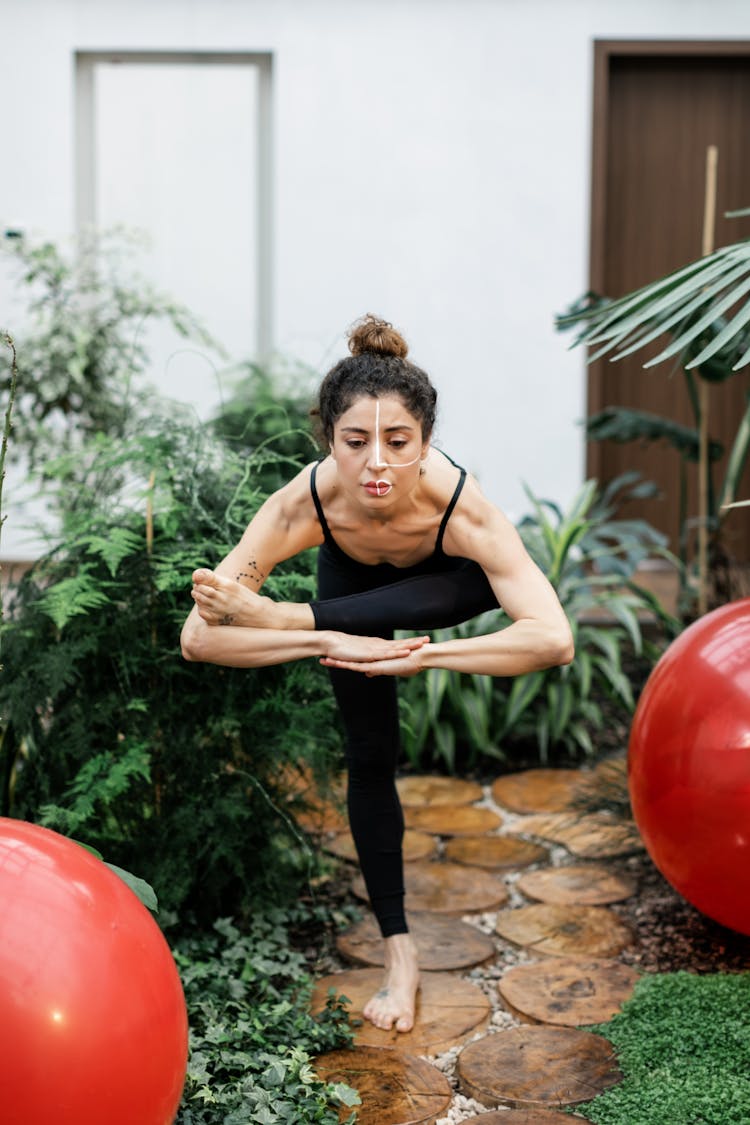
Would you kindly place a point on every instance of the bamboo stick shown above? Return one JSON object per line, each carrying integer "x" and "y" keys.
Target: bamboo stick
{"x": 704, "y": 390}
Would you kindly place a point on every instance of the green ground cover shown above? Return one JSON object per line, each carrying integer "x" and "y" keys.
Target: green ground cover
{"x": 683, "y": 1043}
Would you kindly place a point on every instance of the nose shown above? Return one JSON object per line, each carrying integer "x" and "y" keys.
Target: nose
{"x": 375, "y": 457}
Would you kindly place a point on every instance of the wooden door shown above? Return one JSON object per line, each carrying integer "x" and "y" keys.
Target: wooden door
{"x": 657, "y": 106}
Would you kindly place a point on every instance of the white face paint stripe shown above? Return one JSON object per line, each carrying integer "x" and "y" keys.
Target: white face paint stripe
{"x": 377, "y": 433}
{"x": 378, "y": 458}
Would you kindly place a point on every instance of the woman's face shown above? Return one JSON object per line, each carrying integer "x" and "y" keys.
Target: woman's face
{"x": 377, "y": 446}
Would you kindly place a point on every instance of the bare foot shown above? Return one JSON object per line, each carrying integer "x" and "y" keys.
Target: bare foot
{"x": 225, "y": 601}
{"x": 393, "y": 1005}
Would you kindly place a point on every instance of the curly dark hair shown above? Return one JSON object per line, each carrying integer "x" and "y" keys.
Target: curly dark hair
{"x": 377, "y": 366}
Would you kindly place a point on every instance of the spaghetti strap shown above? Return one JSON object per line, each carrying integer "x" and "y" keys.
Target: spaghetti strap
{"x": 318, "y": 506}
{"x": 449, "y": 509}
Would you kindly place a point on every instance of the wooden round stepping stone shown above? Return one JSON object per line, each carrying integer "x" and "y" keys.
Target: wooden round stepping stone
{"x": 449, "y": 1010}
{"x": 417, "y": 791}
{"x": 589, "y": 836}
{"x": 320, "y": 817}
{"x": 452, "y": 820}
{"x": 446, "y": 888}
{"x": 537, "y": 1067}
{"x": 534, "y": 791}
{"x": 496, "y": 853}
{"x": 298, "y": 778}
{"x": 568, "y": 991}
{"x": 416, "y": 845}
{"x": 585, "y": 884}
{"x": 565, "y": 931}
{"x": 395, "y": 1088}
{"x": 444, "y": 943}
{"x": 523, "y": 1117}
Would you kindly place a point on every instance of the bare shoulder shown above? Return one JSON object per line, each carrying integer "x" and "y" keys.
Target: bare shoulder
{"x": 292, "y": 504}
{"x": 285, "y": 524}
{"x": 479, "y": 530}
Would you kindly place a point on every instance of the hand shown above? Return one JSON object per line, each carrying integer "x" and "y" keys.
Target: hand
{"x": 358, "y": 654}
{"x": 224, "y": 601}
{"x": 401, "y": 664}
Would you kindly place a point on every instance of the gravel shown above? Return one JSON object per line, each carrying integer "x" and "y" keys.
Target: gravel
{"x": 669, "y": 935}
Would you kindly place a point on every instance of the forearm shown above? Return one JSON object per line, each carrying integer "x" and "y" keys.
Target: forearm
{"x": 525, "y": 646}
{"x": 240, "y": 647}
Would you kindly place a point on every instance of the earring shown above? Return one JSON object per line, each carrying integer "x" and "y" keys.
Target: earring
{"x": 421, "y": 468}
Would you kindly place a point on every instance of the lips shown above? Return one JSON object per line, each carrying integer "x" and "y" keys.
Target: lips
{"x": 378, "y": 487}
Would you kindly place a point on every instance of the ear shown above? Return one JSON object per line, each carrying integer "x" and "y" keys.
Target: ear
{"x": 425, "y": 449}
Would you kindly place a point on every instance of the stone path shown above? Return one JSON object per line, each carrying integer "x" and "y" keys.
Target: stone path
{"x": 518, "y": 946}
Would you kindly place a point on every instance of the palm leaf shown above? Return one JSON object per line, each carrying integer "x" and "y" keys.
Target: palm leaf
{"x": 603, "y": 314}
{"x": 696, "y": 328}
{"x": 622, "y": 424}
{"x": 737, "y": 458}
{"x": 698, "y": 294}
{"x": 678, "y": 305}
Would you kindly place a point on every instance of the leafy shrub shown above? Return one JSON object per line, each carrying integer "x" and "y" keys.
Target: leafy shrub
{"x": 252, "y": 1037}
{"x": 82, "y": 354}
{"x": 703, "y": 308}
{"x": 590, "y": 558}
{"x": 171, "y": 769}
{"x": 269, "y": 410}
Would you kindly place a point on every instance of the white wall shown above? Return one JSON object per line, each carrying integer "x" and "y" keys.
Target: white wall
{"x": 431, "y": 163}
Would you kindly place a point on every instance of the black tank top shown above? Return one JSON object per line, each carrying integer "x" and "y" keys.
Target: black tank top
{"x": 435, "y": 561}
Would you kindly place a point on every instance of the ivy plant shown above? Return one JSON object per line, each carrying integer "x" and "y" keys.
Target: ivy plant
{"x": 253, "y": 1040}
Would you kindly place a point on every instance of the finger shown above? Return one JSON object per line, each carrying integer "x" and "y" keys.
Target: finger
{"x": 348, "y": 665}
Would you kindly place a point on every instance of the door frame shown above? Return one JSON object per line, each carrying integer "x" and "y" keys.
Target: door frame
{"x": 85, "y": 62}
{"x": 605, "y": 50}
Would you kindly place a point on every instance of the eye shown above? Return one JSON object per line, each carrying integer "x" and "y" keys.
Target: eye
{"x": 355, "y": 443}
{"x": 398, "y": 443}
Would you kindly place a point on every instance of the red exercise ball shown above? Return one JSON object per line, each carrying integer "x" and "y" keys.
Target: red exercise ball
{"x": 93, "y": 1027}
{"x": 689, "y": 765}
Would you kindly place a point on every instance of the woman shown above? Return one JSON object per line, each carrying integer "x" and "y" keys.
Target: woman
{"x": 407, "y": 541}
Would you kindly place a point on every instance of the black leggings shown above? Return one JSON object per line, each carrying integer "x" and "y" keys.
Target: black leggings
{"x": 373, "y": 601}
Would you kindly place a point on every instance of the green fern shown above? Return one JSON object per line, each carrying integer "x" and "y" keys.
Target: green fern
{"x": 118, "y": 544}
{"x": 73, "y": 596}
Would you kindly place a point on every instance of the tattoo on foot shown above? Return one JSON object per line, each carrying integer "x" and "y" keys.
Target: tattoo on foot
{"x": 227, "y": 619}
{"x": 382, "y": 994}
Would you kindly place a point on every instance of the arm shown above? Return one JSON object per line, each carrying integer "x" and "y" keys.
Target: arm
{"x": 285, "y": 525}
{"x": 539, "y": 636}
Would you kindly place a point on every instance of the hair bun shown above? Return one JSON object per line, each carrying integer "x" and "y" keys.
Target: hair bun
{"x": 371, "y": 334}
